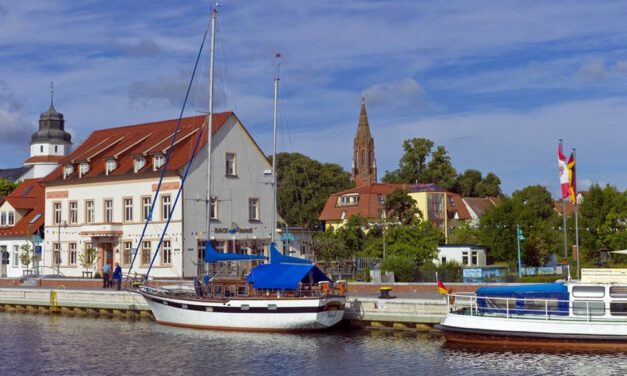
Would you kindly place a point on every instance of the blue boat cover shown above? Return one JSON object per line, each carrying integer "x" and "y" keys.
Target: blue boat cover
{"x": 212, "y": 256}
{"x": 526, "y": 298}
{"x": 285, "y": 276}
{"x": 277, "y": 257}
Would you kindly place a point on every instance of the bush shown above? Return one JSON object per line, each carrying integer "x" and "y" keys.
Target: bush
{"x": 403, "y": 267}
{"x": 450, "y": 271}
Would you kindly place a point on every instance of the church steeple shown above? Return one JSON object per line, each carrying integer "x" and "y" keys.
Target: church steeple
{"x": 364, "y": 162}
{"x": 52, "y": 128}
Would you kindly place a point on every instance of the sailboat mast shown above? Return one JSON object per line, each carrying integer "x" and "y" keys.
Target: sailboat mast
{"x": 214, "y": 15}
{"x": 274, "y": 208}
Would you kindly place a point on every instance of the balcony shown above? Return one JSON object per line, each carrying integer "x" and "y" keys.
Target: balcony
{"x": 102, "y": 229}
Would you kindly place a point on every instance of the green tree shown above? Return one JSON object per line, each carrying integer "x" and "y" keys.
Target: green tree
{"x": 399, "y": 206}
{"x": 490, "y": 186}
{"x": 440, "y": 170}
{"x": 7, "y": 186}
{"x": 413, "y": 163}
{"x": 353, "y": 234}
{"x": 464, "y": 234}
{"x": 304, "y": 186}
{"x": 27, "y": 254}
{"x": 602, "y": 220}
{"x": 466, "y": 183}
{"x": 329, "y": 247}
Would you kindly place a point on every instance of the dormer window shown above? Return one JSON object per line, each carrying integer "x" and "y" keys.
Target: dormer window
{"x": 11, "y": 220}
{"x": 158, "y": 161}
{"x": 68, "y": 169}
{"x": 83, "y": 168}
{"x": 349, "y": 200}
{"x": 110, "y": 165}
{"x": 140, "y": 162}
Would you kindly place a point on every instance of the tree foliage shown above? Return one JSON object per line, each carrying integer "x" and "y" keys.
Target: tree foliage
{"x": 304, "y": 186}
{"x": 413, "y": 163}
{"x": 400, "y": 207}
{"x": 7, "y": 186}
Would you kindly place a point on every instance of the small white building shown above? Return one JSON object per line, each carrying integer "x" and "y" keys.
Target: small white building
{"x": 21, "y": 224}
{"x": 103, "y": 193}
{"x": 464, "y": 254}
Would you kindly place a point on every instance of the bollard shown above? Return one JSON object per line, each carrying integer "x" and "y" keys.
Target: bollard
{"x": 384, "y": 292}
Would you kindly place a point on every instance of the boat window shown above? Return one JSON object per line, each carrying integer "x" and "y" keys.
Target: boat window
{"x": 540, "y": 306}
{"x": 242, "y": 290}
{"x": 217, "y": 291}
{"x": 618, "y": 291}
{"x": 494, "y": 304}
{"x": 588, "y": 291}
{"x": 618, "y": 308}
{"x": 588, "y": 308}
{"x": 230, "y": 290}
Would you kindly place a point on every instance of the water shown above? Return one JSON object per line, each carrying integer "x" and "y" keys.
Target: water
{"x": 53, "y": 345}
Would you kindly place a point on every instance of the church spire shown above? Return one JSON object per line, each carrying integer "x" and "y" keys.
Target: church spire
{"x": 364, "y": 163}
{"x": 52, "y": 95}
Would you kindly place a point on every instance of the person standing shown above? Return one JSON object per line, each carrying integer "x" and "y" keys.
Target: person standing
{"x": 117, "y": 275}
{"x": 106, "y": 280}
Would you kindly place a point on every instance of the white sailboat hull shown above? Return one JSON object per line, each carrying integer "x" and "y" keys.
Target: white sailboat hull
{"x": 248, "y": 314}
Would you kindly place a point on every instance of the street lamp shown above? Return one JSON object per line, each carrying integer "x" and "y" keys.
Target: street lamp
{"x": 58, "y": 257}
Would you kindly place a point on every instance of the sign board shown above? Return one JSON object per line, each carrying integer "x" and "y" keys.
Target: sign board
{"x": 38, "y": 250}
{"x": 604, "y": 275}
{"x": 37, "y": 239}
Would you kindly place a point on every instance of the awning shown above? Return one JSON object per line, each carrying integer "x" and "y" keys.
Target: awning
{"x": 285, "y": 276}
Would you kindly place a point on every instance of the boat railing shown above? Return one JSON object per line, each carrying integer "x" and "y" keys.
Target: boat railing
{"x": 511, "y": 307}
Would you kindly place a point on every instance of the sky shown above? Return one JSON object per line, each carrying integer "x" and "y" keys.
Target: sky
{"x": 497, "y": 83}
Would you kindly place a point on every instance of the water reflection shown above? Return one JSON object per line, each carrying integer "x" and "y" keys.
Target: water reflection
{"x": 39, "y": 344}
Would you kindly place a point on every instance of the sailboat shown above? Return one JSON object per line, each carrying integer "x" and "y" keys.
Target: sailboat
{"x": 284, "y": 294}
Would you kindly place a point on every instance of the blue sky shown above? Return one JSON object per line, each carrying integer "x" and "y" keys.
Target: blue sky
{"x": 496, "y": 83}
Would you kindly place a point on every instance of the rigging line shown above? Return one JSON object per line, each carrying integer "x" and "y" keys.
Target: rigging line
{"x": 167, "y": 160}
{"x": 176, "y": 199}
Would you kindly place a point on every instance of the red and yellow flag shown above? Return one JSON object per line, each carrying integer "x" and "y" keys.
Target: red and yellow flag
{"x": 441, "y": 288}
{"x": 572, "y": 179}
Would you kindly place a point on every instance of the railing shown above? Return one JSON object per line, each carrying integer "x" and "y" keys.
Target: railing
{"x": 512, "y": 308}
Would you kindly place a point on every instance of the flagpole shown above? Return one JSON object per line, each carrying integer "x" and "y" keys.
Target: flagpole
{"x": 576, "y": 216}
{"x": 560, "y": 157}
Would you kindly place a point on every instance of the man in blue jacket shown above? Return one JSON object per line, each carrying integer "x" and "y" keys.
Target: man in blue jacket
{"x": 117, "y": 275}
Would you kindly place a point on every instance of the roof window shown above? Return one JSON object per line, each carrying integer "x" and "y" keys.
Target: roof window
{"x": 83, "y": 168}
{"x": 110, "y": 165}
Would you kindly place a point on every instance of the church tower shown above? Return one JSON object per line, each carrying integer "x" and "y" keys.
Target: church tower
{"x": 50, "y": 143}
{"x": 364, "y": 163}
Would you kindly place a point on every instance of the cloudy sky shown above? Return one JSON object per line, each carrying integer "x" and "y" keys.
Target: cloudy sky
{"x": 497, "y": 83}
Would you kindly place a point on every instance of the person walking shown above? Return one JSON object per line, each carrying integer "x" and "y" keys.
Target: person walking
{"x": 117, "y": 275}
{"x": 106, "y": 280}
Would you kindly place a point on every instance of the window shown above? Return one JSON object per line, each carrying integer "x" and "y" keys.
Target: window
{"x": 145, "y": 208}
{"x": 165, "y": 207}
{"x": 41, "y": 149}
{"x": 128, "y": 210}
{"x": 618, "y": 291}
{"x": 588, "y": 308}
{"x": 167, "y": 252}
{"x": 83, "y": 168}
{"x": 67, "y": 170}
{"x": 443, "y": 260}
{"x": 56, "y": 148}
{"x": 588, "y": 291}
{"x": 231, "y": 164}
{"x": 3, "y": 219}
{"x": 213, "y": 208}
{"x": 11, "y": 220}
{"x": 349, "y": 200}
{"x": 72, "y": 255}
{"x": 464, "y": 258}
{"x": 140, "y": 162}
{"x": 73, "y": 212}
{"x": 474, "y": 258}
{"x": 108, "y": 211}
{"x": 56, "y": 247}
{"x": 89, "y": 211}
{"x": 158, "y": 161}
{"x": 126, "y": 253}
{"x": 16, "y": 256}
{"x": 145, "y": 253}
{"x": 618, "y": 308}
{"x": 56, "y": 213}
{"x": 110, "y": 165}
{"x": 253, "y": 209}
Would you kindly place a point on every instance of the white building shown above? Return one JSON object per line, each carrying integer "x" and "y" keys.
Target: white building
{"x": 21, "y": 224}
{"x": 101, "y": 195}
{"x": 464, "y": 254}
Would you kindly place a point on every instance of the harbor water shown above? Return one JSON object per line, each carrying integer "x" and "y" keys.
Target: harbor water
{"x": 60, "y": 345}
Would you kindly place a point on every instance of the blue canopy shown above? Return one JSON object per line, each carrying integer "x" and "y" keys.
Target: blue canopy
{"x": 526, "y": 298}
{"x": 284, "y": 276}
{"x": 211, "y": 255}
{"x": 277, "y": 257}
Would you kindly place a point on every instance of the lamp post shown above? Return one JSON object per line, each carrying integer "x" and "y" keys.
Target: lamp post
{"x": 519, "y": 237}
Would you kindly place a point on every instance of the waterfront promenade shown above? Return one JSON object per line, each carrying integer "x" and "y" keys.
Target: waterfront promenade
{"x": 410, "y": 306}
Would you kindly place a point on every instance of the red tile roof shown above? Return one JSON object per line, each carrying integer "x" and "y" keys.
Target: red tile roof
{"x": 368, "y": 206}
{"x": 44, "y": 158}
{"x": 455, "y": 205}
{"x": 124, "y": 143}
{"x": 28, "y": 197}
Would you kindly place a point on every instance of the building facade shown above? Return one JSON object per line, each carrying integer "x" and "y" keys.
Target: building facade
{"x": 106, "y": 196}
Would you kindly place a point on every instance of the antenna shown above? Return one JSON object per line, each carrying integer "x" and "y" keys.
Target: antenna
{"x": 51, "y": 94}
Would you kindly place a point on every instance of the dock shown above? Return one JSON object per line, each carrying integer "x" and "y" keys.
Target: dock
{"x": 361, "y": 311}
